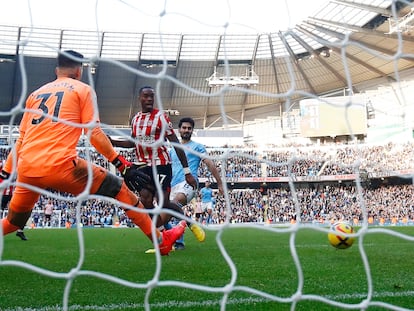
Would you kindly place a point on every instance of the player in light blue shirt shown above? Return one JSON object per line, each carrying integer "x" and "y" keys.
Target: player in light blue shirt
{"x": 207, "y": 201}
{"x": 193, "y": 163}
{"x": 181, "y": 192}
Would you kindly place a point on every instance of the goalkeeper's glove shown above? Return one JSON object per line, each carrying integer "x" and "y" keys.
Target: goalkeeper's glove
{"x": 136, "y": 179}
{"x": 121, "y": 164}
{"x": 4, "y": 175}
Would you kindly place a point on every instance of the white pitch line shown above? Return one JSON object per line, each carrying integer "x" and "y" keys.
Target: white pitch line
{"x": 204, "y": 303}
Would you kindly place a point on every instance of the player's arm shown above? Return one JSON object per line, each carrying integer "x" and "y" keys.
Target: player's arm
{"x": 98, "y": 138}
{"x": 183, "y": 159}
{"x": 134, "y": 178}
{"x": 103, "y": 145}
{"x": 124, "y": 143}
{"x": 213, "y": 169}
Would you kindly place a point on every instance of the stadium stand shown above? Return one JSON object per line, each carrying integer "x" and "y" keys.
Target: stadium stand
{"x": 325, "y": 180}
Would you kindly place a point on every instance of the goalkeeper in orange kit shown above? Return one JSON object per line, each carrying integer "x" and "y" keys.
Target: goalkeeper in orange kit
{"x": 46, "y": 156}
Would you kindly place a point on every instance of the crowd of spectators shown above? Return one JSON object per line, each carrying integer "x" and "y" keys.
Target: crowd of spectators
{"x": 312, "y": 160}
{"x": 391, "y": 205}
{"x": 302, "y": 161}
{"x": 314, "y": 202}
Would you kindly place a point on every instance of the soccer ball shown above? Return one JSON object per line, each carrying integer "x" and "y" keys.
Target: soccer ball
{"x": 338, "y": 239}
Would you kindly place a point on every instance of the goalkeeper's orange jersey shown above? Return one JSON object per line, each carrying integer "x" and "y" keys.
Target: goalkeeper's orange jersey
{"x": 46, "y": 141}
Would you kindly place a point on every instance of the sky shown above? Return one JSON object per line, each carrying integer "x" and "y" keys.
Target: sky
{"x": 167, "y": 16}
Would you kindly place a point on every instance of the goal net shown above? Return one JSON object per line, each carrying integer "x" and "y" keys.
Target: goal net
{"x": 309, "y": 124}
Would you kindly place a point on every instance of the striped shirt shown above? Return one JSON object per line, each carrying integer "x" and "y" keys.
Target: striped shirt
{"x": 8, "y": 190}
{"x": 149, "y": 128}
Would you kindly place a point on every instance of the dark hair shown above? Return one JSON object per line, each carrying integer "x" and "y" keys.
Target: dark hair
{"x": 188, "y": 120}
{"x": 143, "y": 88}
{"x": 69, "y": 62}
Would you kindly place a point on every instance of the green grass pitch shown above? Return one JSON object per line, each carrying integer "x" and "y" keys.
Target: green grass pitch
{"x": 263, "y": 261}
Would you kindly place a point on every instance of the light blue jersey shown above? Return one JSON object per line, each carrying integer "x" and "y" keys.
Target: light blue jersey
{"x": 206, "y": 195}
{"x": 193, "y": 162}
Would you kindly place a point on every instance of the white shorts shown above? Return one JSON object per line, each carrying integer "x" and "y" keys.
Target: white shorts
{"x": 207, "y": 206}
{"x": 184, "y": 188}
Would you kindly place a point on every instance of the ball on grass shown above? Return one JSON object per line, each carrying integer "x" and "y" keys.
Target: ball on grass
{"x": 339, "y": 235}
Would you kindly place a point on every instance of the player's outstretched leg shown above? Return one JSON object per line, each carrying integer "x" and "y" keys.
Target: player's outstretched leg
{"x": 170, "y": 236}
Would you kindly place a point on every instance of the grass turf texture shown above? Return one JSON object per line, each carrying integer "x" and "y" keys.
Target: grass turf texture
{"x": 263, "y": 261}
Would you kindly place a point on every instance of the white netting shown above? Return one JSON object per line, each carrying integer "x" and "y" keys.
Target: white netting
{"x": 390, "y": 103}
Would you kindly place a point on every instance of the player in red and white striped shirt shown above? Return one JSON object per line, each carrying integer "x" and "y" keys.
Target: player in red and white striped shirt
{"x": 148, "y": 126}
{"x": 150, "y": 129}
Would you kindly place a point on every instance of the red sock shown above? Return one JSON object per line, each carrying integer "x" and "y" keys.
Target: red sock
{"x": 8, "y": 227}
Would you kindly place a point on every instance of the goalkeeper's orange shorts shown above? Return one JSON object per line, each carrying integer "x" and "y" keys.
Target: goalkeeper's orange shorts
{"x": 71, "y": 177}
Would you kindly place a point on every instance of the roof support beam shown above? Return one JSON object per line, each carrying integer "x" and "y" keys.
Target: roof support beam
{"x": 17, "y": 68}
{"x": 351, "y": 57}
{"x": 341, "y": 36}
{"x": 365, "y": 7}
{"x": 135, "y": 90}
{"x": 274, "y": 63}
{"x": 246, "y": 97}
{"x": 209, "y": 90}
{"x": 323, "y": 62}
{"x": 295, "y": 62}
{"x": 313, "y": 21}
{"x": 177, "y": 64}
{"x": 221, "y": 117}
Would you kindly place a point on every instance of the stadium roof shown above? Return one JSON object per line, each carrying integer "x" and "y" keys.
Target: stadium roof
{"x": 343, "y": 45}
